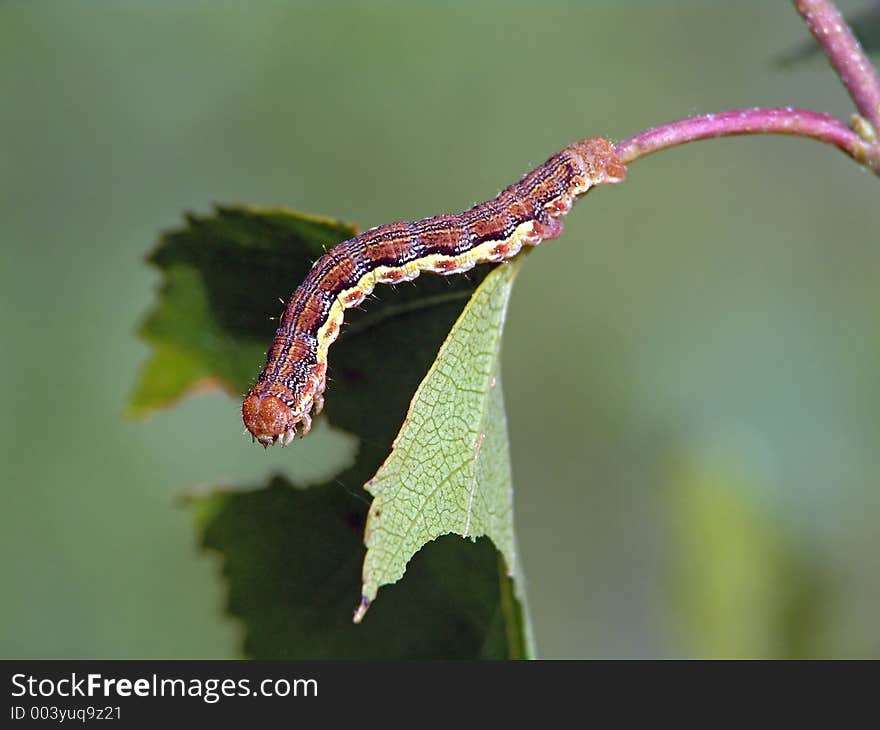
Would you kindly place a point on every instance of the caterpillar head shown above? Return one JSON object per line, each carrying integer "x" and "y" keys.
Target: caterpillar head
{"x": 271, "y": 421}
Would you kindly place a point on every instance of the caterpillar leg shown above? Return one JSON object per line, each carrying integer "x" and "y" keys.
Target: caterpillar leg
{"x": 546, "y": 231}
{"x": 553, "y": 230}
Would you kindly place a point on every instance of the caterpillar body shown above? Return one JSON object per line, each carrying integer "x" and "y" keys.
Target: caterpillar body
{"x": 289, "y": 390}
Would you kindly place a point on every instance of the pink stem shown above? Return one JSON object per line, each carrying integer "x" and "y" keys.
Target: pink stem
{"x": 846, "y": 55}
{"x": 782, "y": 120}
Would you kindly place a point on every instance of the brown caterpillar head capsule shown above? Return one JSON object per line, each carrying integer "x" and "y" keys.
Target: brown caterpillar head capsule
{"x": 269, "y": 419}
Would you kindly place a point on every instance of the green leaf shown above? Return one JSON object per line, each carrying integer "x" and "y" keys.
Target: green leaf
{"x": 292, "y": 560}
{"x": 222, "y": 276}
{"x": 291, "y": 556}
{"x": 449, "y": 471}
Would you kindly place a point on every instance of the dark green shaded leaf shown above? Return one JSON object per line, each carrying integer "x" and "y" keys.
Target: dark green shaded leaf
{"x": 292, "y": 557}
{"x": 292, "y": 560}
{"x": 222, "y": 278}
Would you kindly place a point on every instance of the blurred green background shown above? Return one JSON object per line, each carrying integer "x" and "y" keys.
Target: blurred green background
{"x": 691, "y": 371}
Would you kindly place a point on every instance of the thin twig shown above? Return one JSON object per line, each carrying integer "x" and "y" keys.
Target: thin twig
{"x": 846, "y": 55}
{"x": 780, "y": 120}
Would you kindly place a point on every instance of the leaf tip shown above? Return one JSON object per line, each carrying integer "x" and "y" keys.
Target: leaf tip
{"x": 361, "y": 610}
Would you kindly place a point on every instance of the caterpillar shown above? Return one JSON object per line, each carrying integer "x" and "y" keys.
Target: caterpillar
{"x": 290, "y": 389}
